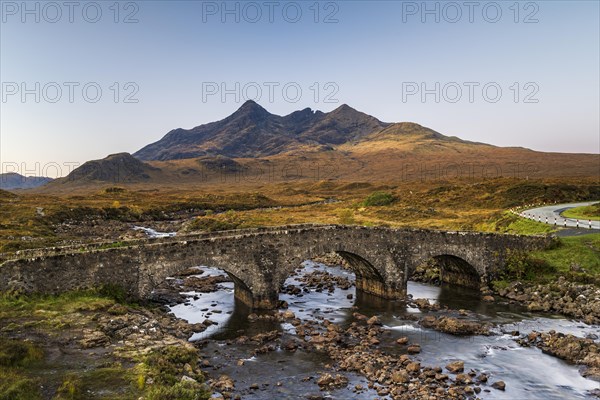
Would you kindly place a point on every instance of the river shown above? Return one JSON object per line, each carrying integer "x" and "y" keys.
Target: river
{"x": 280, "y": 374}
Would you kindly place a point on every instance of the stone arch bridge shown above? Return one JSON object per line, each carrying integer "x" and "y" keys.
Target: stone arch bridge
{"x": 260, "y": 260}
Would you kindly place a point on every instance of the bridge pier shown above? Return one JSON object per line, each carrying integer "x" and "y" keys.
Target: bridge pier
{"x": 370, "y": 280}
{"x": 256, "y": 302}
{"x": 379, "y": 288}
{"x": 257, "y": 299}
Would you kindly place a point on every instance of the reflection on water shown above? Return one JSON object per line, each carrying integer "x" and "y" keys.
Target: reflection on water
{"x": 528, "y": 373}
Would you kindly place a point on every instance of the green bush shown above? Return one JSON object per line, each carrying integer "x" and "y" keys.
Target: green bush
{"x": 379, "y": 199}
{"x": 114, "y": 292}
{"x": 521, "y": 266}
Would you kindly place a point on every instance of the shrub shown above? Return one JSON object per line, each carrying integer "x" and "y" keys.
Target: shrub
{"x": 521, "y": 266}
{"x": 115, "y": 292}
{"x": 114, "y": 189}
{"x": 379, "y": 199}
{"x": 220, "y": 222}
{"x": 346, "y": 217}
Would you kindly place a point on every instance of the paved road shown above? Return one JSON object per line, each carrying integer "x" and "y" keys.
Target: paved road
{"x": 550, "y": 214}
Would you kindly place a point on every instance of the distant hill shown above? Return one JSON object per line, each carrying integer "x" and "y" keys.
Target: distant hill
{"x": 116, "y": 168}
{"x": 254, "y": 132}
{"x": 12, "y": 180}
{"x": 7, "y": 196}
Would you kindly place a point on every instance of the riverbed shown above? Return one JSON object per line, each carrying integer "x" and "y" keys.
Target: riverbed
{"x": 281, "y": 374}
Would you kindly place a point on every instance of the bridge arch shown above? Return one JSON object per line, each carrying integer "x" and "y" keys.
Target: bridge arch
{"x": 241, "y": 291}
{"x": 453, "y": 270}
{"x": 373, "y": 264}
{"x": 368, "y": 278}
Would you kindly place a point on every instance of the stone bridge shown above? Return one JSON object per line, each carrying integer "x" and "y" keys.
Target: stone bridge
{"x": 260, "y": 260}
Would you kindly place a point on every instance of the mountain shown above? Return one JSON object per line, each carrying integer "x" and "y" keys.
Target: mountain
{"x": 116, "y": 168}
{"x": 252, "y": 148}
{"x": 13, "y": 180}
{"x": 253, "y": 132}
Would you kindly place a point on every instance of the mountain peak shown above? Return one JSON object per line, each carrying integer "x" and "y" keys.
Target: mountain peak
{"x": 252, "y": 131}
{"x": 252, "y": 107}
{"x": 344, "y": 107}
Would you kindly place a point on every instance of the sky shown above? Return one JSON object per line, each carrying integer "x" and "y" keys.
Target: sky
{"x": 82, "y": 80}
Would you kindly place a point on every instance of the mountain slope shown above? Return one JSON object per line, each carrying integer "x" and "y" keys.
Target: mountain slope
{"x": 412, "y": 137}
{"x": 254, "y": 132}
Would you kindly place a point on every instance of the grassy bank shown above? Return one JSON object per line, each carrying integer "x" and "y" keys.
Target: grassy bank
{"x": 507, "y": 222}
{"x": 577, "y": 254}
{"x": 584, "y": 213}
{"x": 39, "y": 357}
{"x": 577, "y": 258}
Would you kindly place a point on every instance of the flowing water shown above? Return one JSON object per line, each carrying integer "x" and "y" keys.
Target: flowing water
{"x": 528, "y": 373}
{"x": 153, "y": 233}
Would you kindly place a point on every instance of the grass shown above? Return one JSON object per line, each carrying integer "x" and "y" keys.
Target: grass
{"x": 528, "y": 227}
{"x": 23, "y": 369}
{"x": 15, "y": 357}
{"x": 577, "y": 258}
{"x": 114, "y": 382}
{"x": 23, "y": 226}
{"x": 47, "y": 307}
{"x": 584, "y": 213}
{"x": 583, "y": 251}
{"x": 16, "y": 353}
{"x": 163, "y": 367}
{"x": 16, "y": 385}
{"x": 460, "y": 204}
{"x": 53, "y": 313}
{"x": 179, "y": 391}
{"x": 508, "y": 222}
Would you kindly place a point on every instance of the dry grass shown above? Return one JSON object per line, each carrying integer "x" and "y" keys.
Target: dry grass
{"x": 461, "y": 204}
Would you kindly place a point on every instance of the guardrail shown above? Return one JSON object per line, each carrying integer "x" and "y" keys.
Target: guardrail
{"x": 556, "y": 221}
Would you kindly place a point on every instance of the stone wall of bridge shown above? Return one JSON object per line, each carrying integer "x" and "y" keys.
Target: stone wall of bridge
{"x": 260, "y": 260}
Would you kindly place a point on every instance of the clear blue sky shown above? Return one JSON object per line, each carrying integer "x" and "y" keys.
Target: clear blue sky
{"x": 375, "y": 56}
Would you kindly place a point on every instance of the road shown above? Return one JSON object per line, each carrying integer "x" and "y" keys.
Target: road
{"x": 551, "y": 214}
